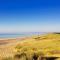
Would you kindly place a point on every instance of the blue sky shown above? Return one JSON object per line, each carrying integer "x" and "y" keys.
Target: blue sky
{"x": 29, "y": 16}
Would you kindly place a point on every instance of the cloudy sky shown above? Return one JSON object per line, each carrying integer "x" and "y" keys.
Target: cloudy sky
{"x": 29, "y": 16}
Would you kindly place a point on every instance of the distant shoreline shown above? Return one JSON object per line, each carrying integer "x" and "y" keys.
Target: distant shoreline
{"x": 4, "y": 41}
{"x": 5, "y": 36}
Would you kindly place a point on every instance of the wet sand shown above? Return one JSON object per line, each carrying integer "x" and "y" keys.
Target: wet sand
{"x": 4, "y": 41}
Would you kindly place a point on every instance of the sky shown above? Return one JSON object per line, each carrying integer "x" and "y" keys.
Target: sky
{"x": 29, "y": 16}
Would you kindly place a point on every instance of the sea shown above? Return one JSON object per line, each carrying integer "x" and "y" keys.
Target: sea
{"x": 14, "y": 35}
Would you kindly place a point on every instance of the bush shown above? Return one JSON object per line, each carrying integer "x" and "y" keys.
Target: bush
{"x": 21, "y": 56}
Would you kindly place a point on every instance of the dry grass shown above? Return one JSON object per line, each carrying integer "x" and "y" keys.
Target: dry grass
{"x": 42, "y": 45}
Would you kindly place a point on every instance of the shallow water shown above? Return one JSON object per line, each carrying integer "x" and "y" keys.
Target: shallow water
{"x": 8, "y": 35}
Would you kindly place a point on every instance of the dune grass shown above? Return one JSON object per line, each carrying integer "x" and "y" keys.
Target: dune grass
{"x": 47, "y": 45}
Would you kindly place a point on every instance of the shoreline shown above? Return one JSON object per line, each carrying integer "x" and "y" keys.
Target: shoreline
{"x": 4, "y": 41}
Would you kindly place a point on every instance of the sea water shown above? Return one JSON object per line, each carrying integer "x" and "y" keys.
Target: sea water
{"x": 14, "y": 35}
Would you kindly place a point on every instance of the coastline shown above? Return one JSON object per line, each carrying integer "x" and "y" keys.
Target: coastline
{"x": 4, "y": 41}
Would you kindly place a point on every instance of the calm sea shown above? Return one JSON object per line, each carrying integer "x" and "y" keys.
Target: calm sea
{"x": 8, "y": 35}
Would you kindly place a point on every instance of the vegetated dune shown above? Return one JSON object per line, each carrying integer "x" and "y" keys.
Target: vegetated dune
{"x": 46, "y": 45}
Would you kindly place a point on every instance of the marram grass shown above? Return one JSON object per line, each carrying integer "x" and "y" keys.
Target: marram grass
{"x": 47, "y": 45}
